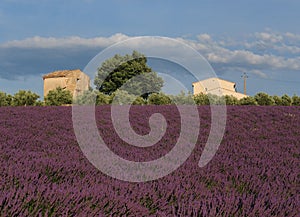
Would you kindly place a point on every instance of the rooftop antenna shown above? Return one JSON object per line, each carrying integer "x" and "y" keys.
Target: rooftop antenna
{"x": 245, "y": 76}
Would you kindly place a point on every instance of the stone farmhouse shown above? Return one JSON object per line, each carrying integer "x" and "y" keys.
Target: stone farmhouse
{"x": 73, "y": 80}
{"x": 218, "y": 87}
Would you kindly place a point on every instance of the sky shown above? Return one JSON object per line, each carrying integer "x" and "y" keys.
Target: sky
{"x": 257, "y": 37}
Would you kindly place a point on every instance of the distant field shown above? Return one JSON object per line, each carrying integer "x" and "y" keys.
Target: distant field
{"x": 254, "y": 173}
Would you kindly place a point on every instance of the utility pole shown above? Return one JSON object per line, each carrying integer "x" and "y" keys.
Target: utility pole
{"x": 245, "y": 76}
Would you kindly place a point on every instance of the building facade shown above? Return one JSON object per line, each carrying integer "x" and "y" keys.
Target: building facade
{"x": 73, "y": 80}
{"x": 217, "y": 87}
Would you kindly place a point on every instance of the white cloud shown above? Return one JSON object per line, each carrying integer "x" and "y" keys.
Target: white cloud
{"x": 74, "y": 41}
{"x": 249, "y": 55}
{"x": 204, "y": 37}
{"x": 292, "y": 36}
{"x": 259, "y": 73}
{"x": 260, "y": 52}
{"x": 283, "y": 43}
{"x": 269, "y": 37}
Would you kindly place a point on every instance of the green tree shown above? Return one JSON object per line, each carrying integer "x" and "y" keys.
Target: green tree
{"x": 9, "y": 99}
{"x": 209, "y": 99}
{"x": 183, "y": 99}
{"x": 122, "y": 97}
{"x": 87, "y": 98}
{"x": 296, "y": 100}
{"x": 215, "y": 99}
{"x": 39, "y": 103}
{"x": 231, "y": 100}
{"x": 159, "y": 99}
{"x": 248, "y": 101}
{"x": 264, "y": 99}
{"x": 58, "y": 97}
{"x": 139, "y": 101}
{"x": 277, "y": 100}
{"x": 286, "y": 100}
{"x": 5, "y": 99}
{"x": 103, "y": 99}
{"x": 116, "y": 71}
{"x": 24, "y": 98}
{"x": 201, "y": 99}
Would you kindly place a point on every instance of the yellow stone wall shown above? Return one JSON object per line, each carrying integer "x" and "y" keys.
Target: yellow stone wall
{"x": 74, "y": 81}
{"x": 216, "y": 86}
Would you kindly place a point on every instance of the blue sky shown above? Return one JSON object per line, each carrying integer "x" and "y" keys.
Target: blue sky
{"x": 261, "y": 38}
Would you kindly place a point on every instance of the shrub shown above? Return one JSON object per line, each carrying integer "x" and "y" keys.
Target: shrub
{"x": 87, "y": 98}
{"x": 122, "y": 97}
{"x": 277, "y": 100}
{"x": 231, "y": 100}
{"x": 286, "y": 100}
{"x": 23, "y": 98}
{"x": 264, "y": 99}
{"x": 201, "y": 99}
{"x": 159, "y": 99}
{"x": 295, "y": 100}
{"x": 182, "y": 99}
{"x": 248, "y": 101}
{"x": 102, "y": 99}
{"x": 58, "y": 97}
{"x": 216, "y": 100}
{"x": 5, "y": 99}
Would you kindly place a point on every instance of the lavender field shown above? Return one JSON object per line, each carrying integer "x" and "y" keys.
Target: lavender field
{"x": 255, "y": 172}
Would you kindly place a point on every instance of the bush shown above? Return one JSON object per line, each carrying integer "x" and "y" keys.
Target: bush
{"x": 87, "y": 98}
{"x": 182, "y": 99}
{"x": 286, "y": 100}
{"x": 264, "y": 99}
{"x": 122, "y": 97}
{"x": 231, "y": 100}
{"x": 216, "y": 100}
{"x": 103, "y": 99}
{"x": 201, "y": 99}
{"x": 277, "y": 100}
{"x": 139, "y": 101}
{"x": 211, "y": 99}
{"x": 283, "y": 100}
{"x": 247, "y": 101}
{"x": 39, "y": 103}
{"x": 5, "y": 99}
{"x": 296, "y": 100}
{"x": 58, "y": 97}
{"x": 159, "y": 99}
{"x": 24, "y": 98}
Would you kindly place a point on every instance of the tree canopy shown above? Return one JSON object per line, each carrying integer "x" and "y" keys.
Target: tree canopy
{"x": 24, "y": 98}
{"x": 5, "y": 99}
{"x": 58, "y": 97}
{"x": 264, "y": 99}
{"x": 130, "y": 72}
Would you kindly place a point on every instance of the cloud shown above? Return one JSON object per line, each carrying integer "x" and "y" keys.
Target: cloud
{"x": 69, "y": 42}
{"x": 278, "y": 54}
{"x": 283, "y": 43}
{"x": 269, "y": 37}
{"x": 259, "y": 73}
{"x": 20, "y": 63}
{"x": 204, "y": 37}
{"x": 293, "y": 37}
{"x": 258, "y": 53}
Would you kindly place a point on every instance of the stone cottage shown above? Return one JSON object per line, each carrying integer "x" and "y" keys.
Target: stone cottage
{"x": 73, "y": 80}
{"x": 218, "y": 87}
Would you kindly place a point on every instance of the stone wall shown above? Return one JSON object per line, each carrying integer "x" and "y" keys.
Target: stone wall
{"x": 216, "y": 86}
{"x": 73, "y": 80}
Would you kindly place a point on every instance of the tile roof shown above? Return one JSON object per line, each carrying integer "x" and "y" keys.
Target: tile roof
{"x": 60, "y": 73}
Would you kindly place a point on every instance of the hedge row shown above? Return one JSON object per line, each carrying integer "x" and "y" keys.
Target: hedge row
{"x": 60, "y": 97}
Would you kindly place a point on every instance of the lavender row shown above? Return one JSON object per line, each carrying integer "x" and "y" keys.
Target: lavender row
{"x": 254, "y": 173}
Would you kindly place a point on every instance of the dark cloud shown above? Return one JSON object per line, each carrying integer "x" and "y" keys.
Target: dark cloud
{"x": 17, "y": 63}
